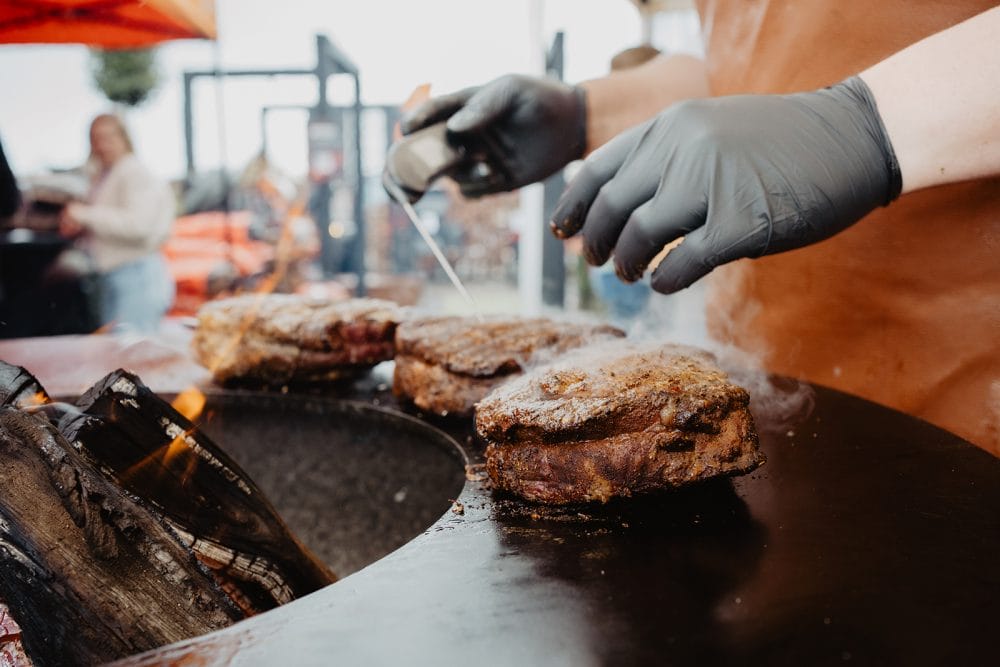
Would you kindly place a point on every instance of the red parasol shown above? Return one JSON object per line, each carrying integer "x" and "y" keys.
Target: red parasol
{"x": 105, "y": 23}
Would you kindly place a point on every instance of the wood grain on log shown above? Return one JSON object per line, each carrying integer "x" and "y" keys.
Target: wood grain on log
{"x": 145, "y": 445}
{"x": 91, "y": 573}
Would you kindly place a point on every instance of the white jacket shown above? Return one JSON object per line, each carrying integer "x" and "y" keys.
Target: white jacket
{"x": 129, "y": 214}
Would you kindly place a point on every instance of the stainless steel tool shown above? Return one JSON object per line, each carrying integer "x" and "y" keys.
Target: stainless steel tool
{"x": 418, "y": 159}
{"x": 412, "y": 164}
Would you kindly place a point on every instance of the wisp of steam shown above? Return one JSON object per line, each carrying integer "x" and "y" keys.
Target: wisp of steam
{"x": 776, "y": 403}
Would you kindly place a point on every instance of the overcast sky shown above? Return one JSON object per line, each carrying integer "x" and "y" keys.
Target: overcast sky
{"x": 49, "y": 98}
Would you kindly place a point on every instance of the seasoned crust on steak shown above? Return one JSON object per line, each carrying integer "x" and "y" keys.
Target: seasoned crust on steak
{"x": 280, "y": 338}
{"x": 447, "y": 364}
{"x": 435, "y": 389}
{"x": 616, "y": 420}
{"x": 494, "y": 346}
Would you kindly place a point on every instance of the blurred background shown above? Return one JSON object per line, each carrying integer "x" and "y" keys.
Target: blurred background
{"x": 270, "y": 123}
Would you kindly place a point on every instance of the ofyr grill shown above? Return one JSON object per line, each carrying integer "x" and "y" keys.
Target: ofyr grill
{"x": 869, "y": 537}
{"x": 170, "y": 537}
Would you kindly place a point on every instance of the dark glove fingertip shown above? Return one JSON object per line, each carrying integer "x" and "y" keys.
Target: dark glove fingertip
{"x": 629, "y": 274}
{"x": 565, "y": 224}
{"x": 418, "y": 118}
{"x": 557, "y": 231}
{"x": 663, "y": 283}
{"x": 408, "y": 124}
{"x": 463, "y": 121}
{"x": 595, "y": 255}
{"x": 459, "y": 122}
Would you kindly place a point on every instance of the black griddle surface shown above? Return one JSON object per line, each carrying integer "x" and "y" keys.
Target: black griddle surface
{"x": 869, "y": 537}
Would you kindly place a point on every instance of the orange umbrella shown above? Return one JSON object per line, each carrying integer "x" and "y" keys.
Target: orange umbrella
{"x": 105, "y": 23}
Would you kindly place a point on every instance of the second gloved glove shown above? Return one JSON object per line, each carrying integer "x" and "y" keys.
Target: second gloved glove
{"x": 523, "y": 130}
{"x": 739, "y": 176}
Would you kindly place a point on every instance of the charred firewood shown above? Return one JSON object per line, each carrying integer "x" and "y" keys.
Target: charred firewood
{"x": 19, "y": 388}
{"x": 149, "y": 448}
{"x": 90, "y": 573}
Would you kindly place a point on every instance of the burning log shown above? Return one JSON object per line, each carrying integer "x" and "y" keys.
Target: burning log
{"x": 19, "y": 388}
{"x": 91, "y": 574}
{"x": 153, "y": 451}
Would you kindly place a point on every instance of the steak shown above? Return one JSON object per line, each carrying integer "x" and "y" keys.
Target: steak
{"x": 447, "y": 364}
{"x": 280, "y": 338}
{"x": 616, "y": 420}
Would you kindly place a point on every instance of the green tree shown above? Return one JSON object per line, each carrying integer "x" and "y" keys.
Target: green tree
{"x": 125, "y": 76}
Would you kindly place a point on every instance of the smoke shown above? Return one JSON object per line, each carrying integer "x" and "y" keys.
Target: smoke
{"x": 777, "y": 402}
{"x": 53, "y": 410}
{"x": 675, "y": 318}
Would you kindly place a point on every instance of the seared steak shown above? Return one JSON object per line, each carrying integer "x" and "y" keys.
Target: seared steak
{"x": 447, "y": 364}
{"x": 279, "y": 338}
{"x": 616, "y": 420}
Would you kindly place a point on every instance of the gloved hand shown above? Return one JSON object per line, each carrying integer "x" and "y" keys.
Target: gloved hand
{"x": 740, "y": 176}
{"x": 522, "y": 128}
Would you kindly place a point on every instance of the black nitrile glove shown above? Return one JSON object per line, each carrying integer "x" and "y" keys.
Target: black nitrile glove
{"x": 740, "y": 176}
{"x": 523, "y": 129}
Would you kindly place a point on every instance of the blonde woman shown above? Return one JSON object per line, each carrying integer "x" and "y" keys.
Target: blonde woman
{"x": 123, "y": 224}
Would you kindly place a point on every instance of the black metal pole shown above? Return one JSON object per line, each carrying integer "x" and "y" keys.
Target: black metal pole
{"x": 329, "y": 61}
{"x": 359, "y": 190}
{"x": 553, "y": 260}
{"x": 188, "y": 125}
{"x": 263, "y": 130}
{"x": 322, "y": 189}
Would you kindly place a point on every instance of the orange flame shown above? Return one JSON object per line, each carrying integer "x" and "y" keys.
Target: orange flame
{"x": 160, "y": 459}
{"x": 189, "y": 403}
{"x": 284, "y": 250}
{"x": 30, "y": 403}
{"x": 39, "y": 398}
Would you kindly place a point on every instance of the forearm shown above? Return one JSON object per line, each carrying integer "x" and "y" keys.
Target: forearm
{"x": 626, "y": 98}
{"x": 940, "y": 103}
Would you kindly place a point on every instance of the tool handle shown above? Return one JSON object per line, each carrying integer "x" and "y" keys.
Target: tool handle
{"x": 416, "y": 160}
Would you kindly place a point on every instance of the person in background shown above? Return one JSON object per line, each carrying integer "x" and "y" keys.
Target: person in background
{"x": 10, "y": 195}
{"x": 805, "y": 117}
{"x": 123, "y": 224}
{"x": 623, "y": 300}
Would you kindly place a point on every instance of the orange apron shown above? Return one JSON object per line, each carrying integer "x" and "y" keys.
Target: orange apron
{"x": 904, "y": 307}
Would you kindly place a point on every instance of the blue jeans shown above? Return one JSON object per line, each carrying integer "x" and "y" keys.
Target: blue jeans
{"x": 623, "y": 300}
{"x": 136, "y": 296}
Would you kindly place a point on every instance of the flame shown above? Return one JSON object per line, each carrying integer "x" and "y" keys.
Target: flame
{"x": 176, "y": 447}
{"x": 39, "y": 398}
{"x": 283, "y": 253}
{"x": 189, "y": 403}
{"x": 158, "y": 461}
{"x": 34, "y": 402}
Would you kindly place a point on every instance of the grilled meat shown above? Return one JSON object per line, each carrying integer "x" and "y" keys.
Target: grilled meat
{"x": 279, "y": 338}
{"x": 447, "y": 364}
{"x": 616, "y": 420}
